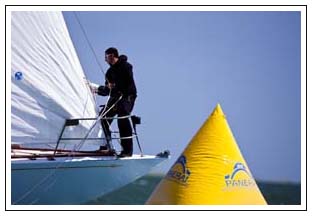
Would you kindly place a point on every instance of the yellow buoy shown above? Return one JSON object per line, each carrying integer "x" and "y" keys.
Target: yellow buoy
{"x": 210, "y": 171}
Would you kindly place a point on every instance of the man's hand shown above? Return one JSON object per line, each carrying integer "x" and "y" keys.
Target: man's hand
{"x": 93, "y": 87}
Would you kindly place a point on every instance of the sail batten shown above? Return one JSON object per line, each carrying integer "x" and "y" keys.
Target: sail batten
{"x": 48, "y": 84}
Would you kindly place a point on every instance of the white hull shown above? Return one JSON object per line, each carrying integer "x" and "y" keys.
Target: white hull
{"x": 68, "y": 180}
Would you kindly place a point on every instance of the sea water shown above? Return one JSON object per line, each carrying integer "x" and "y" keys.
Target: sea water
{"x": 137, "y": 192}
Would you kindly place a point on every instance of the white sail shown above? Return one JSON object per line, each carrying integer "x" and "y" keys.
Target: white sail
{"x": 48, "y": 87}
{"x": 48, "y": 83}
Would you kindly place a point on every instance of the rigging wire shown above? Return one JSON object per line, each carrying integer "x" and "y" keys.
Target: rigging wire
{"x": 79, "y": 145}
{"x": 92, "y": 50}
{"x": 89, "y": 43}
{"x": 97, "y": 61}
{"x": 58, "y": 165}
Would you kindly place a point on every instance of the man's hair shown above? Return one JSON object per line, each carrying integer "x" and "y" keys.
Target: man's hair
{"x": 112, "y": 50}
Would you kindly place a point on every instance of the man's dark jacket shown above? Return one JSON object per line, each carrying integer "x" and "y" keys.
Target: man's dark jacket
{"x": 122, "y": 76}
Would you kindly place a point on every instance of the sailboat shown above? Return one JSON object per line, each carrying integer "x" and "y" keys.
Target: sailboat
{"x": 55, "y": 129}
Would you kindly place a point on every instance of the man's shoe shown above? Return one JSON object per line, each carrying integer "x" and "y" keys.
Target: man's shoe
{"x": 112, "y": 152}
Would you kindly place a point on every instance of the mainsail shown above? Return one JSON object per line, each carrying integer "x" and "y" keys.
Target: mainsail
{"x": 48, "y": 84}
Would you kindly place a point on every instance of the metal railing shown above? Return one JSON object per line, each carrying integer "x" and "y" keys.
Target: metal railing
{"x": 135, "y": 120}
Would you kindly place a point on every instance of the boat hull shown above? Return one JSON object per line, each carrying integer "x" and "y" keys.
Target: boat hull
{"x": 74, "y": 180}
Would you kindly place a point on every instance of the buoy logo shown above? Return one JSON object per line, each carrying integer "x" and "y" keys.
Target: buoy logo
{"x": 240, "y": 177}
{"x": 179, "y": 171}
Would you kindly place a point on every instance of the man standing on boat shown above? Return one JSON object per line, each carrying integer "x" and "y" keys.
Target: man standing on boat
{"x": 120, "y": 86}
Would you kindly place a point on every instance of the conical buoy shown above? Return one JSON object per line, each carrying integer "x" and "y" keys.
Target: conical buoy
{"x": 210, "y": 171}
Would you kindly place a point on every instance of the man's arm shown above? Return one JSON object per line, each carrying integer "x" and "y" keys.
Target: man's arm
{"x": 103, "y": 90}
{"x": 99, "y": 89}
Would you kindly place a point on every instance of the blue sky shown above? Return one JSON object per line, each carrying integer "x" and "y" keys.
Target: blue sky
{"x": 187, "y": 62}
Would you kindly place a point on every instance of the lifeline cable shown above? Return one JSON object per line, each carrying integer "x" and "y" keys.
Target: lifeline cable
{"x": 99, "y": 118}
{"x": 91, "y": 48}
{"x": 78, "y": 146}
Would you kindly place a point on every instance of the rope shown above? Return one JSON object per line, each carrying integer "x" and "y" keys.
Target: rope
{"x": 79, "y": 145}
{"x": 93, "y": 52}
{"x": 76, "y": 147}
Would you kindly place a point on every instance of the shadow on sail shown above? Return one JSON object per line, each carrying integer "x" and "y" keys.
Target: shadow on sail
{"x": 55, "y": 130}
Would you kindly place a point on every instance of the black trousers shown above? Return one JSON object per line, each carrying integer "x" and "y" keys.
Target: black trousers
{"x": 122, "y": 108}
